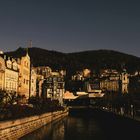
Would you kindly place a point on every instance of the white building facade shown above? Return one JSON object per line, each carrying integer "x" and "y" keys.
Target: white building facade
{"x": 11, "y": 76}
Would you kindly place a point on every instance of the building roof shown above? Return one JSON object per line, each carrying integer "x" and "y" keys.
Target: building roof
{"x": 69, "y": 95}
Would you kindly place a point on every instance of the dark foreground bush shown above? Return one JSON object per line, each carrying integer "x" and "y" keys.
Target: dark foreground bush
{"x": 35, "y": 107}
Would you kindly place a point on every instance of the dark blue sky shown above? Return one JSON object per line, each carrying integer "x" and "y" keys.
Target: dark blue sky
{"x": 71, "y": 25}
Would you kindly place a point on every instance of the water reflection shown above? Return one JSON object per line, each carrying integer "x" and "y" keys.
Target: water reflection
{"x": 52, "y": 131}
{"x": 69, "y": 128}
{"x": 87, "y": 127}
{"x": 58, "y": 131}
{"x": 83, "y": 128}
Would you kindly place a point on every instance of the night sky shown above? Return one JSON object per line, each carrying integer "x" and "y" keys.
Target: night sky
{"x": 71, "y": 25}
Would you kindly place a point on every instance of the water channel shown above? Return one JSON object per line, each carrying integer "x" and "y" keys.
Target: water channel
{"x": 88, "y": 125}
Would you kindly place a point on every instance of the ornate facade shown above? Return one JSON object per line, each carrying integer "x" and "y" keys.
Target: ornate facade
{"x": 110, "y": 85}
{"x": 11, "y": 75}
{"x": 33, "y": 83}
{"x": 2, "y": 71}
{"x": 43, "y": 70}
{"x": 53, "y": 88}
{"x": 24, "y": 75}
{"x": 125, "y": 82}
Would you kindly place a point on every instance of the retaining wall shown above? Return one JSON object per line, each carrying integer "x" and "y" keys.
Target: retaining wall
{"x": 14, "y": 129}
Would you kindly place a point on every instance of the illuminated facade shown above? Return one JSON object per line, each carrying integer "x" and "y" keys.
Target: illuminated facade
{"x": 125, "y": 82}
{"x": 110, "y": 85}
{"x": 53, "y": 88}
{"x": 39, "y": 82}
{"x": 11, "y": 76}
{"x": 2, "y": 72}
{"x": 115, "y": 82}
{"x": 24, "y": 75}
{"x": 43, "y": 70}
{"x": 33, "y": 83}
{"x": 86, "y": 72}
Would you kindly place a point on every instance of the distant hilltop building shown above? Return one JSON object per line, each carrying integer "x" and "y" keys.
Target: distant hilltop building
{"x": 86, "y": 72}
{"x": 113, "y": 81}
{"x": 47, "y": 71}
{"x": 124, "y": 82}
{"x": 81, "y": 75}
{"x": 109, "y": 73}
{"x": 43, "y": 70}
{"x": 78, "y": 77}
{"x": 109, "y": 80}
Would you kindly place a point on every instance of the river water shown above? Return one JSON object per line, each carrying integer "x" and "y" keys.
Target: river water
{"x": 88, "y": 125}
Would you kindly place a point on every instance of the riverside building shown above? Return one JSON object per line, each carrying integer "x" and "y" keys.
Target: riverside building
{"x": 53, "y": 88}
{"x": 24, "y": 74}
{"x": 11, "y": 75}
{"x": 2, "y": 72}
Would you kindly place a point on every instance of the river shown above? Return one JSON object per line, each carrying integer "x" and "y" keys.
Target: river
{"x": 88, "y": 125}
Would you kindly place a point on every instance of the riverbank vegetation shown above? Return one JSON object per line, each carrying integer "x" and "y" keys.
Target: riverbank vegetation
{"x": 13, "y": 106}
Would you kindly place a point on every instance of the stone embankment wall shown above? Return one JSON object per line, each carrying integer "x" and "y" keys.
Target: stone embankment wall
{"x": 14, "y": 129}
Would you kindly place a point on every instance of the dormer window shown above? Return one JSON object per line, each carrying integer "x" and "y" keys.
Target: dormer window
{"x": 9, "y": 64}
{"x": 15, "y": 66}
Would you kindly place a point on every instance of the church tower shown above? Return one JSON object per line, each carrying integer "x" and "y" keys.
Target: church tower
{"x": 124, "y": 82}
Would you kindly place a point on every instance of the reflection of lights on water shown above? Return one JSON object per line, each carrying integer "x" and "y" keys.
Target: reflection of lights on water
{"x": 54, "y": 130}
{"x": 39, "y": 134}
{"x": 66, "y": 129}
{"x": 58, "y": 131}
